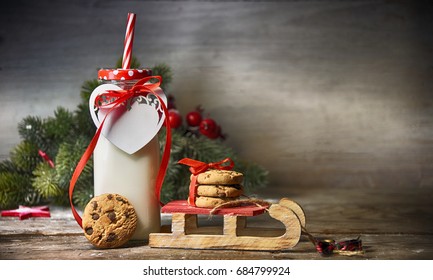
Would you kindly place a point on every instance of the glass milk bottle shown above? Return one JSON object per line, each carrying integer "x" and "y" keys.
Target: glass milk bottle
{"x": 131, "y": 175}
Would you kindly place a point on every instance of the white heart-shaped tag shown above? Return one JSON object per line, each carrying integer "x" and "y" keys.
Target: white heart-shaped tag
{"x": 131, "y": 125}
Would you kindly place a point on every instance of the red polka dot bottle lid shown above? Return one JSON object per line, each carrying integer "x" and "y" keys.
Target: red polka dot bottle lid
{"x": 123, "y": 74}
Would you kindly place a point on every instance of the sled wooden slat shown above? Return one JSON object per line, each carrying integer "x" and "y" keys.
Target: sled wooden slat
{"x": 235, "y": 234}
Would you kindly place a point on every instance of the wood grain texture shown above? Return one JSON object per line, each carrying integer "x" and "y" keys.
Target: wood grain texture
{"x": 182, "y": 206}
{"x": 394, "y": 226}
{"x": 234, "y": 234}
{"x": 75, "y": 247}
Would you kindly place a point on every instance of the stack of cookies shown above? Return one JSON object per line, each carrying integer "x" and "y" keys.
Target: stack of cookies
{"x": 218, "y": 186}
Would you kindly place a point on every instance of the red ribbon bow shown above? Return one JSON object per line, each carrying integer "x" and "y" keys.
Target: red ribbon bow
{"x": 196, "y": 167}
{"x": 117, "y": 98}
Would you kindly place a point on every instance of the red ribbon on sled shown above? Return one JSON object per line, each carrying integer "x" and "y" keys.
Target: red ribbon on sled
{"x": 196, "y": 167}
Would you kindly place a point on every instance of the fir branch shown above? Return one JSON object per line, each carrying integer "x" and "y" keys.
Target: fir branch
{"x": 14, "y": 188}
{"x": 45, "y": 182}
{"x": 60, "y": 127}
{"x": 66, "y": 160}
{"x": 84, "y": 122}
{"x": 165, "y": 72}
{"x": 25, "y": 157}
{"x": 47, "y": 134}
{"x": 82, "y": 117}
{"x": 8, "y": 166}
{"x": 34, "y": 198}
{"x": 86, "y": 90}
{"x": 82, "y": 196}
{"x": 207, "y": 150}
{"x": 32, "y": 130}
{"x": 255, "y": 176}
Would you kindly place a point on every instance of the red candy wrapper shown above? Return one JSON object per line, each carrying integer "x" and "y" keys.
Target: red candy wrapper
{"x": 327, "y": 247}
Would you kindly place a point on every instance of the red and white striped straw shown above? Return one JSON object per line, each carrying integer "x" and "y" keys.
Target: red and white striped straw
{"x": 129, "y": 40}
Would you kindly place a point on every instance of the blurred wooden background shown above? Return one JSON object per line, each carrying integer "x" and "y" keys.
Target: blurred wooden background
{"x": 321, "y": 93}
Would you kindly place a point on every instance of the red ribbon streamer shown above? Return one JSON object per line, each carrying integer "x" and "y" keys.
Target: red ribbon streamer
{"x": 192, "y": 190}
{"x": 121, "y": 96}
{"x": 196, "y": 167}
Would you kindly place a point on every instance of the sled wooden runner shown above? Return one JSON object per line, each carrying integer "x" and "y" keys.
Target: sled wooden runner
{"x": 235, "y": 234}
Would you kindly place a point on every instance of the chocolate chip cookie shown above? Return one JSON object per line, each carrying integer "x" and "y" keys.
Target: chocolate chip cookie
{"x": 211, "y": 202}
{"x": 220, "y": 177}
{"x": 109, "y": 221}
{"x": 219, "y": 190}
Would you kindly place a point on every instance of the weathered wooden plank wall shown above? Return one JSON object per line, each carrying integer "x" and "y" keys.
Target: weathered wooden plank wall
{"x": 319, "y": 92}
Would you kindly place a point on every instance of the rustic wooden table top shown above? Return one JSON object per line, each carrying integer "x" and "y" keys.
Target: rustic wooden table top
{"x": 393, "y": 224}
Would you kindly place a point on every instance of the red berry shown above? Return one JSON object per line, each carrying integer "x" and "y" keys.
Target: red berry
{"x": 193, "y": 118}
{"x": 216, "y": 133}
{"x": 174, "y": 118}
{"x": 209, "y": 128}
{"x": 171, "y": 102}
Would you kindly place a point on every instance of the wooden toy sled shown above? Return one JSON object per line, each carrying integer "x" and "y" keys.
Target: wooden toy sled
{"x": 185, "y": 232}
